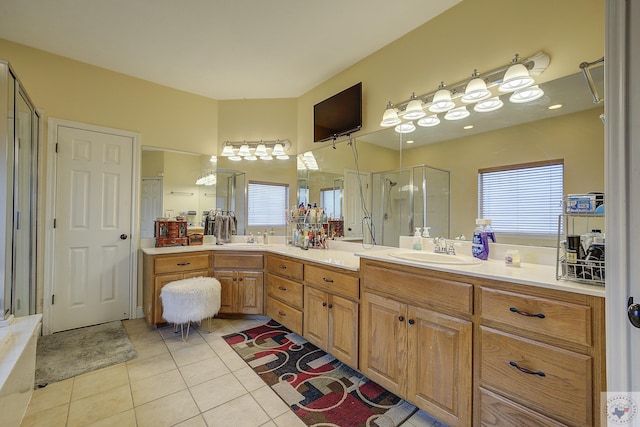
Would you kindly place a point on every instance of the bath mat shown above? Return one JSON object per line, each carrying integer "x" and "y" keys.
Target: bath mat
{"x": 319, "y": 389}
{"x": 66, "y": 354}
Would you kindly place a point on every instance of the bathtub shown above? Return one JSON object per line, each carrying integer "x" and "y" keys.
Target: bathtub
{"x": 17, "y": 367}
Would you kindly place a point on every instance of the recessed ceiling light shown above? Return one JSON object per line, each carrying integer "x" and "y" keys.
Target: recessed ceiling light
{"x": 555, "y": 106}
{"x": 411, "y": 141}
{"x": 467, "y": 127}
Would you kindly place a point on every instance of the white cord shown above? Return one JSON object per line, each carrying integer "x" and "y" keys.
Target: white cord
{"x": 367, "y": 222}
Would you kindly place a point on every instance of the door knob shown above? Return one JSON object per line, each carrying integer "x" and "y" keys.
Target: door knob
{"x": 123, "y": 236}
{"x": 633, "y": 312}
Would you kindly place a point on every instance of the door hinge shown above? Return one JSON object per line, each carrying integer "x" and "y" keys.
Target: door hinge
{"x": 54, "y": 223}
{"x": 53, "y": 299}
{"x": 56, "y": 147}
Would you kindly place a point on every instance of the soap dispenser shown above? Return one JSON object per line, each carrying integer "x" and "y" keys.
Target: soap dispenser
{"x": 417, "y": 240}
{"x": 425, "y": 232}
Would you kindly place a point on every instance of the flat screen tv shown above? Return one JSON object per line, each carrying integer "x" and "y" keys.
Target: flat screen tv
{"x": 339, "y": 115}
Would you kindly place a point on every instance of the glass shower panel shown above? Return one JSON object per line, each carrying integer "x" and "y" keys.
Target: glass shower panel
{"x": 24, "y": 251}
{"x": 231, "y": 196}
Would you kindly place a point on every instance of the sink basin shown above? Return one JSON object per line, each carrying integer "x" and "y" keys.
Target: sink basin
{"x": 244, "y": 245}
{"x": 435, "y": 258}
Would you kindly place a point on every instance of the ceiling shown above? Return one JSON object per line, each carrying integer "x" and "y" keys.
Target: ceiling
{"x": 223, "y": 49}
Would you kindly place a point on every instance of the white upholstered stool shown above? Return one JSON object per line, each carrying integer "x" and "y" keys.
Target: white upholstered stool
{"x": 190, "y": 300}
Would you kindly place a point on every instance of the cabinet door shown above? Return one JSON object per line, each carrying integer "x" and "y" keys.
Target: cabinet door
{"x": 384, "y": 342}
{"x": 439, "y": 365}
{"x": 228, "y": 283}
{"x": 250, "y": 297}
{"x": 343, "y": 330}
{"x": 316, "y": 324}
{"x": 159, "y": 282}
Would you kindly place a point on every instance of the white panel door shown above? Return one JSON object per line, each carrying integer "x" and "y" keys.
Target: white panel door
{"x": 93, "y": 227}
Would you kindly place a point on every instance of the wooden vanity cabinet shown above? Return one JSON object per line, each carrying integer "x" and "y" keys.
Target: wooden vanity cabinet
{"x": 285, "y": 300}
{"x": 416, "y": 337}
{"x": 158, "y": 270}
{"x": 242, "y": 280}
{"x": 331, "y": 309}
{"x": 540, "y": 356}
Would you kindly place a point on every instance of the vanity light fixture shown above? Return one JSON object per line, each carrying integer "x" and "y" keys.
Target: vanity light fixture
{"x": 476, "y": 89}
{"x": 516, "y": 77}
{"x": 207, "y": 179}
{"x": 254, "y": 150}
{"x": 227, "y": 151}
{"x": 390, "y": 116}
{"x": 483, "y": 90}
{"x": 406, "y": 127}
{"x": 414, "y": 109}
{"x": 261, "y": 150}
{"x": 429, "y": 121}
{"x": 278, "y": 150}
{"x": 307, "y": 161}
{"x": 491, "y": 104}
{"x": 244, "y": 150}
{"x": 527, "y": 94}
{"x": 442, "y": 100}
{"x": 458, "y": 113}
{"x": 282, "y": 157}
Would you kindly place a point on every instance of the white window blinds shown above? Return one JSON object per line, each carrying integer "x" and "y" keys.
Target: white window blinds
{"x": 522, "y": 199}
{"x": 267, "y": 203}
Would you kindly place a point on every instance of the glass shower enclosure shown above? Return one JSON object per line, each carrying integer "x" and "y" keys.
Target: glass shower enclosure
{"x": 417, "y": 196}
{"x": 231, "y": 196}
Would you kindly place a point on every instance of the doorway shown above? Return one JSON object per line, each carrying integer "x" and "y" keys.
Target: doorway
{"x": 92, "y": 192}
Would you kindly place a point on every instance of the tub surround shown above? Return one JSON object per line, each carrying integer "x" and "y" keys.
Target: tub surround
{"x": 17, "y": 366}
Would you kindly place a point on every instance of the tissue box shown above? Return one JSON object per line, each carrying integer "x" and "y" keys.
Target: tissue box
{"x": 580, "y": 203}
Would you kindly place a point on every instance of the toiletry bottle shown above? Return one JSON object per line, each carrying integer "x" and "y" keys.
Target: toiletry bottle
{"x": 417, "y": 240}
{"x": 480, "y": 246}
{"x": 425, "y": 232}
{"x": 491, "y": 235}
{"x": 265, "y": 237}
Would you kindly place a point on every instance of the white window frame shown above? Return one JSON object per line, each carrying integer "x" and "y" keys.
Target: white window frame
{"x": 269, "y": 210}
{"x": 513, "y": 184}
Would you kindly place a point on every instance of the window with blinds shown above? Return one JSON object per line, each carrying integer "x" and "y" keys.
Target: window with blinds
{"x": 522, "y": 199}
{"x": 267, "y": 204}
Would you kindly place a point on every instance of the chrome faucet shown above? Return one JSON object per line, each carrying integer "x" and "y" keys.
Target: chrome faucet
{"x": 451, "y": 250}
{"x": 252, "y": 239}
{"x": 441, "y": 245}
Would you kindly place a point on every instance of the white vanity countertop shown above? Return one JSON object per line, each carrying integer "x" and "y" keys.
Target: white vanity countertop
{"x": 539, "y": 275}
{"x": 348, "y": 256}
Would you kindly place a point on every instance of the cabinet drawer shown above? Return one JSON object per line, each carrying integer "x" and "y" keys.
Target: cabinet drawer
{"x": 559, "y": 384}
{"x": 333, "y": 281}
{"x": 558, "y": 319}
{"x": 238, "y": 261}
{"x": 285, "y": 267}
{"x": 285, "y": 290}
{"x": 495, "y": 410}
{"x": 285, "y": 315}
{"x": 176, "y": 263}
{"x": 420, "y": 286}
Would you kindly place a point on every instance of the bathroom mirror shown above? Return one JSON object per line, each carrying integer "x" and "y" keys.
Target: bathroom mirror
{"x": 515, "y": 134}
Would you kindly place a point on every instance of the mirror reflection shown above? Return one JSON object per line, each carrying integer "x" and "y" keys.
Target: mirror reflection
{"x": 383, "y": 185}
{"x": 450, "y": 156}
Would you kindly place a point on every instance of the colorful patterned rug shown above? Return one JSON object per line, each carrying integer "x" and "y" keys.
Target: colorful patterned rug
{"x": 320, "y": 389}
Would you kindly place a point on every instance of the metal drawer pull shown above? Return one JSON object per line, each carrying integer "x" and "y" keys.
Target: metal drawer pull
{"x": 324, "y": 304}
{"x": 282, "y": 288}
{"x": 282, "y": 314}
{"x": 411, "y": 321}
{"x": 327, "y": 280}
{"x": 524, "y": 313}
{"x": 527, "y": 371}
{"x": 400, "y": 318}
{"x": 183, "y": 263}
{"x": 282, "y": 267}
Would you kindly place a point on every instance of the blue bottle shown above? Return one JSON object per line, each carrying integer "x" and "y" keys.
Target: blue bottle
{"x": 480, "y": 243}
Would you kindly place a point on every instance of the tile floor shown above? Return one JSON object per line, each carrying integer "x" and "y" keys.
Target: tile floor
{"x": 201, "y": 382}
